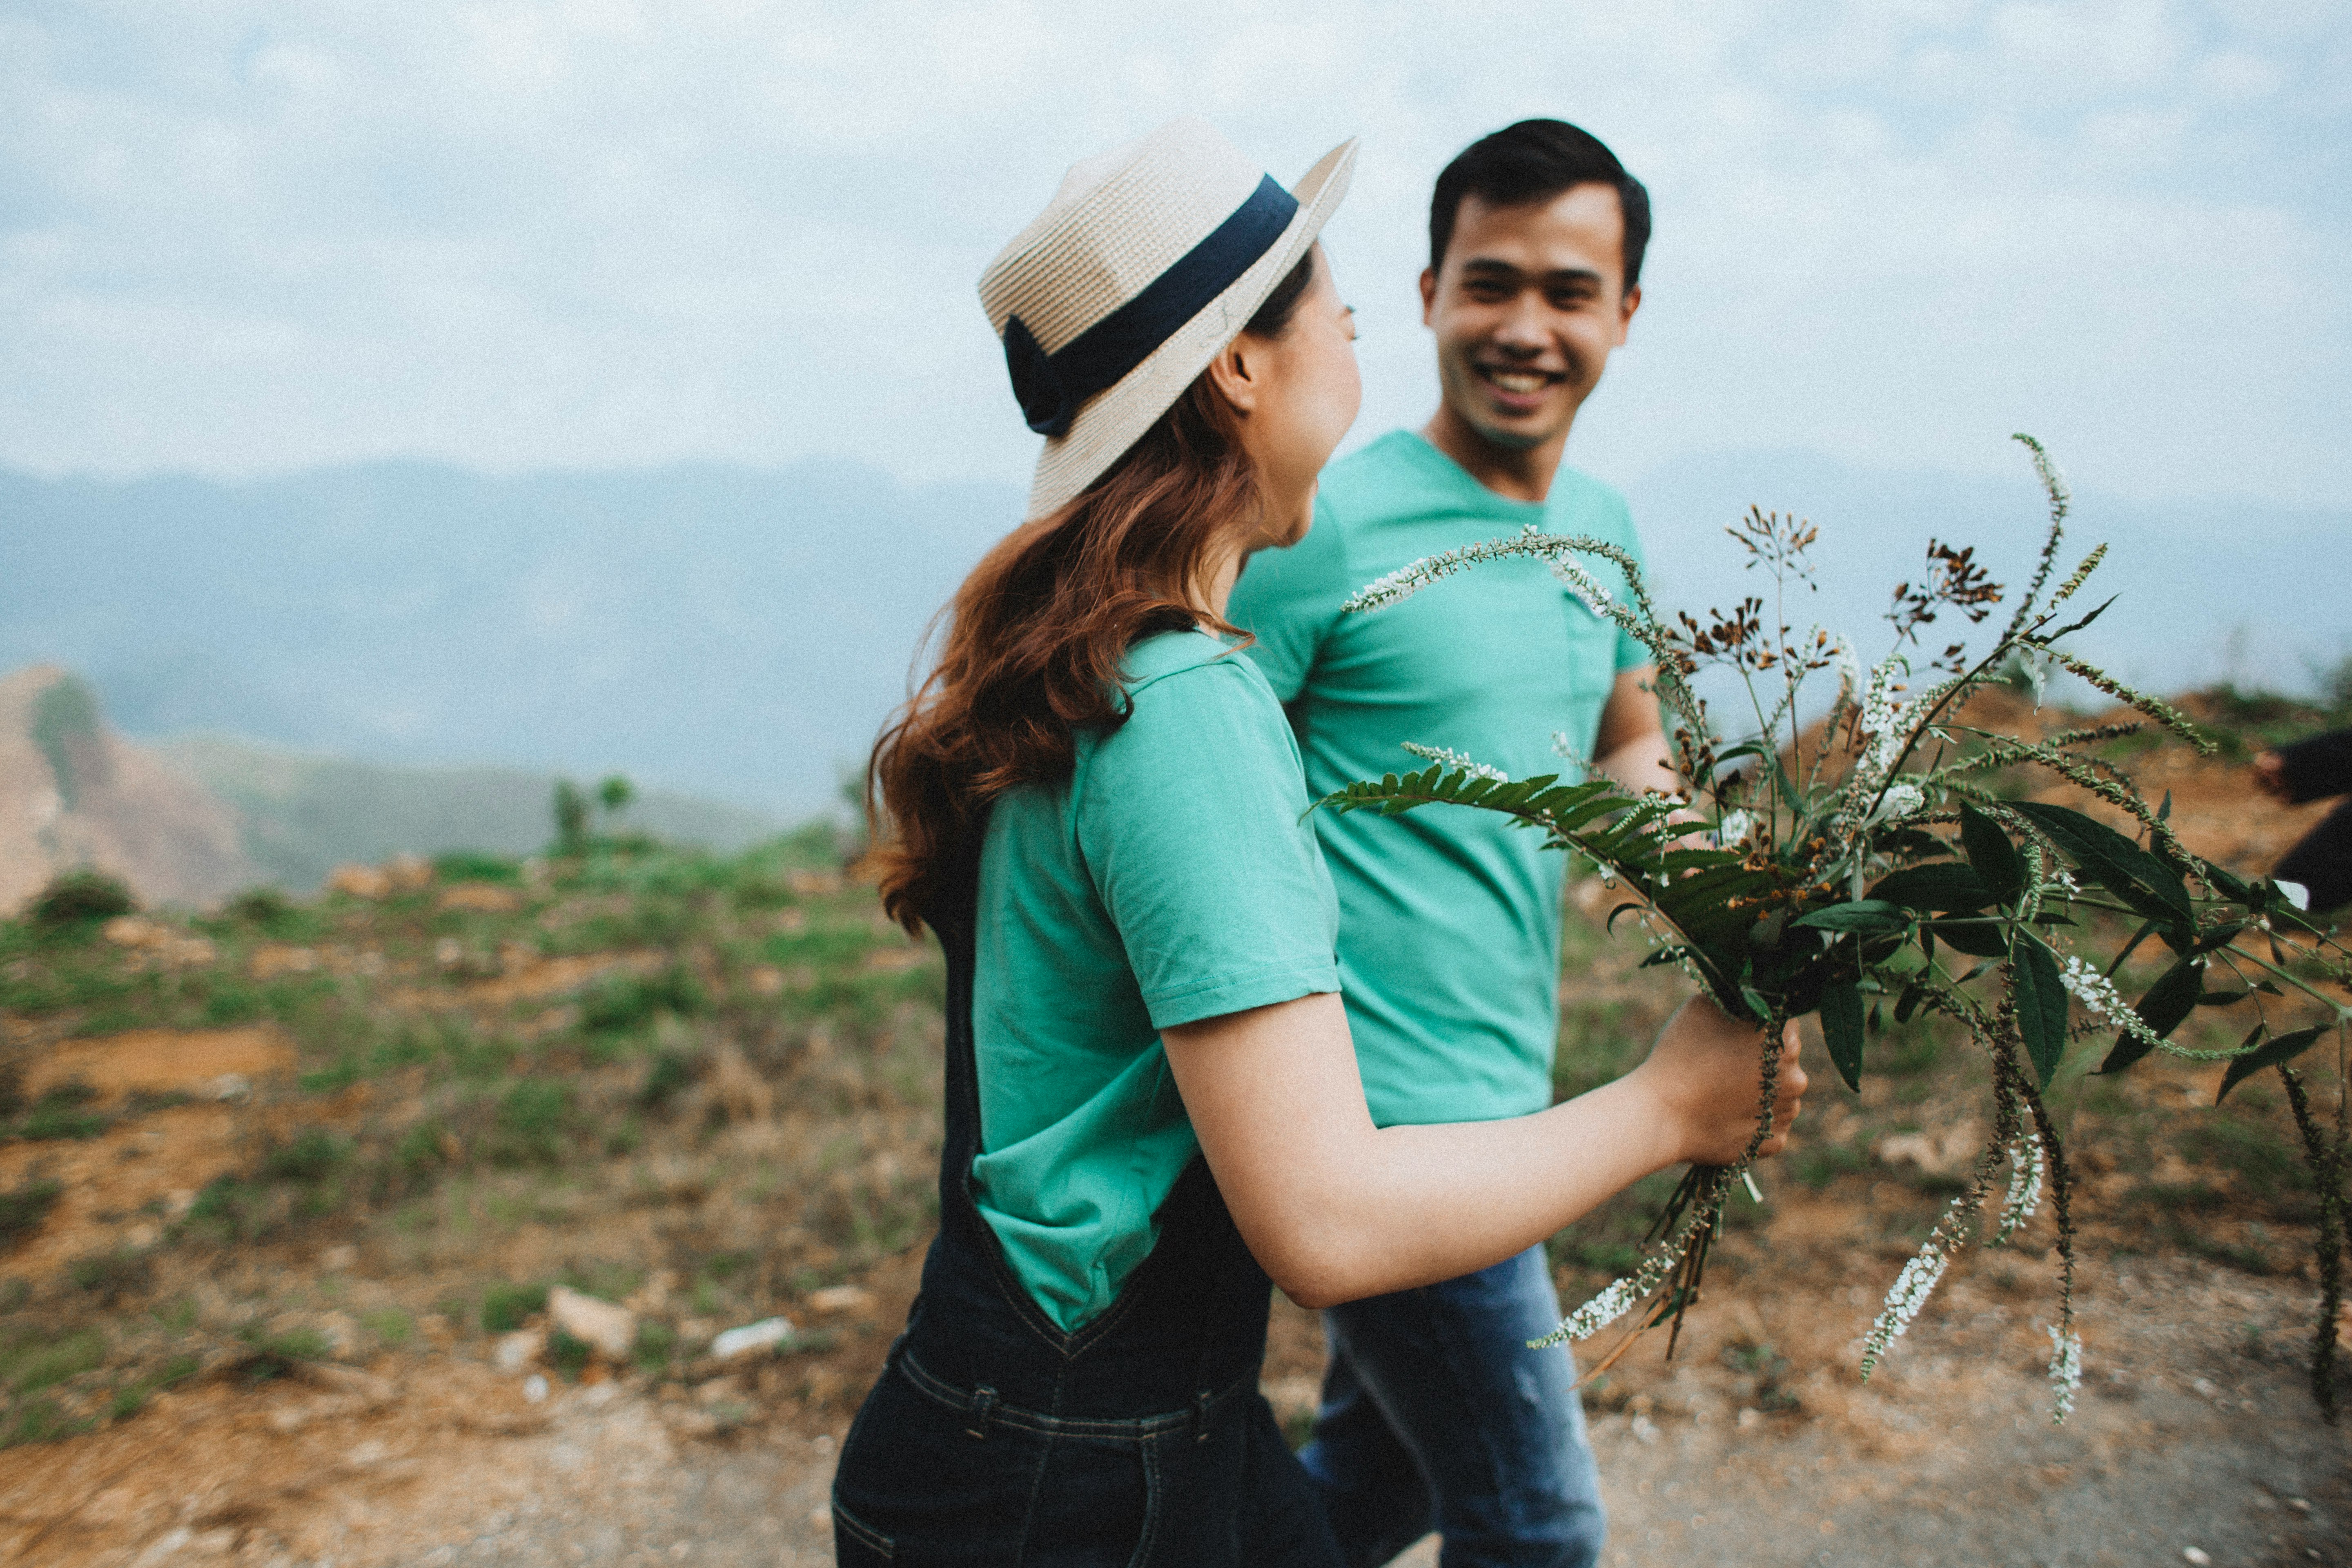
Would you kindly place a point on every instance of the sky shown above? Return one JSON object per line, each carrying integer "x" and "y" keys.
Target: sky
{"x": 245, "y": 238}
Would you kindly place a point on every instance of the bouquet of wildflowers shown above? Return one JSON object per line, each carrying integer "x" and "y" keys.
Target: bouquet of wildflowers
{"x": 1870, "y": 867}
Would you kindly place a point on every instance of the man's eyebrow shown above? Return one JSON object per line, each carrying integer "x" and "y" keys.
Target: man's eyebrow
{"x": 1494, "y": 269}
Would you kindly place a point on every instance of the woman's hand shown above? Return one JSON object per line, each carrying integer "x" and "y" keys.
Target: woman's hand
{"x": 1705, "y": 1073}
{"x": 2269, "y": 775}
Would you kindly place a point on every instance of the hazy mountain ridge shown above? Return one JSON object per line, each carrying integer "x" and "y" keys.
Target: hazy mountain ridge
{"x": 742, "y": 633}
{"x": 73, "y": 792}
{"x": 303, "y": 815}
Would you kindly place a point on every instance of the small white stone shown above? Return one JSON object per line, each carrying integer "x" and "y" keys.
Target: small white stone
{"x": 534, "y": 1388}
{"x": 518, "y": 1349}
{"x": 750, "y": 1337}
{"x": 613, "y": 1331}
{"x": 2192, "y": 1554}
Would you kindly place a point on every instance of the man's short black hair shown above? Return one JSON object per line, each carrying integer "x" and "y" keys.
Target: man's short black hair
{"x": 1533, "y": 161}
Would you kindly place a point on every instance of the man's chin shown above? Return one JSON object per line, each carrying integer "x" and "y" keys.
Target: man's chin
{"x": 1512, "y": 438}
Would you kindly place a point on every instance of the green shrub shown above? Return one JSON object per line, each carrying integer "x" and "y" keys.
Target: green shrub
{"x": 390, "y": 1325}
{"x": 58, "y": 1114}
{"x": 622, "y": 1002}
{"x": 80, "y": 899}
{"x": 532, "y": 1118}
{"x": 279, "y": 1355}
{"x": 313, "y": 1156}
{"x": 671, "y": 1072}
{"x": 109, "y": 1275}
{"x": 473, "y": 866}
{"x": 567, "y": 1355}
{"x": 504, "y": 1307}
{"x": 32, "y": 1361}
{"x": 38, "y": 1421}
{"x": 657, "y": 1343}
{"x": 230, "y": 1208}
{"x": 422, "y": 1147}
{"x": 22, "y": 1207}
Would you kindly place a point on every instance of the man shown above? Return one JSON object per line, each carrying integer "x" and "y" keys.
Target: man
{"x": 1434, "y": 1414}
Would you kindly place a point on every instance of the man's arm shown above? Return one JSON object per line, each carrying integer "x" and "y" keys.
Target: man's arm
{"x": 1630, "y": 747}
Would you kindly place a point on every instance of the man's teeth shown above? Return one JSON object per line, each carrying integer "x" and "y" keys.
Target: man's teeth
{"x": 1520, "y": 382}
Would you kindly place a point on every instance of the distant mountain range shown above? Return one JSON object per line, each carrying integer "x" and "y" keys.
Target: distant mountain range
{"x": 189, "y": 821}
{"x": 740, "y": 634}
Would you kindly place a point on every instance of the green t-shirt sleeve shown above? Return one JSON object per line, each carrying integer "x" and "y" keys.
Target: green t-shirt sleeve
{"x": 1188, "y": 818}
{"x": 1288, "y": 599}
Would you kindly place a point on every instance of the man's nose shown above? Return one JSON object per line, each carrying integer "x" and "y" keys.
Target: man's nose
{"x": 1520, "y": 331}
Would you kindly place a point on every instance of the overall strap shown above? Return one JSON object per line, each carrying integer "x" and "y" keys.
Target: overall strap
{"x": 956, "y": 919}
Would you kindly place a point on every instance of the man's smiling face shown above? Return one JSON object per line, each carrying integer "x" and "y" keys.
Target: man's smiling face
{"x": 1526, "y": 308}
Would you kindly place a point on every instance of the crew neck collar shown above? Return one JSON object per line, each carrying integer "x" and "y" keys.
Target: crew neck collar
{"x": 1464, "y": 477}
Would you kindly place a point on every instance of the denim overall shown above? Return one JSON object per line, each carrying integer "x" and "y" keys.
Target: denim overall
{"x": 994, "y": 1440}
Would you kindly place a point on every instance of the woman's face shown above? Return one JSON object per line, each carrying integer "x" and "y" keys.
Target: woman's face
{"x": 1306, "y": 391}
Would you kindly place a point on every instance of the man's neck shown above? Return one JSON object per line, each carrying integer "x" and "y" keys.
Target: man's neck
{"x": 1515, "y": 473}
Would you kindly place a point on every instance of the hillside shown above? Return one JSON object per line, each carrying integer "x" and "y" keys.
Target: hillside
{"x": 301, "y": 815}
{"x": 72, "y": 793}
{"x": 404, "y": 1227}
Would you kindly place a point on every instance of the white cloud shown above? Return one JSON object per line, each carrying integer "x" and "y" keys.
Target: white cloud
{"x": 256, "y": 235}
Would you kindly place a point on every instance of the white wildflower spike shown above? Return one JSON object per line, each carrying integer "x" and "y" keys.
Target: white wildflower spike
{"x": 1912, "y": 1287}
{"x": 1454, "y": 759}
{"x": 1596, "y": 1314}
{"x": 1565, "y": 750}
{"x": 1849, "y": 670}
{"x": 1735, "y": 828}
{"x": 2098, "y": 994}
{"x": 2066, "y": 1374}
{"x": 1884, "y": 719}
{"x": 1585, "y": 586}
{"x": 1900, "y": 800}
{"x": 2025, "y": 1172}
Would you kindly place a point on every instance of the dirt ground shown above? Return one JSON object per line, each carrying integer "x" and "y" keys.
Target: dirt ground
{"x": 1757, "y": 1444}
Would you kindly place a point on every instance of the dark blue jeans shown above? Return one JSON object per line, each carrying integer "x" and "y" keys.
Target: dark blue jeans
{"x": 1437, "y": 1415}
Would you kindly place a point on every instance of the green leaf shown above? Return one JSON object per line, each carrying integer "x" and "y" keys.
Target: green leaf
{"x": 2161, "y": 1007}
{"x": 2286, "y": 1048}
{"x": 1991, "y": 856}
{"x": 2125, "y": 869}
{"x": 1903, "y": 962}
{"x": 2041, "y": 1003}
{"x": 1943, "y": 887}
{"x": 2235, "y": 889}
{"x": 1873, "y": 917}
{"x": 1842, "y": 1027}
{"x": 1978, "y": 939}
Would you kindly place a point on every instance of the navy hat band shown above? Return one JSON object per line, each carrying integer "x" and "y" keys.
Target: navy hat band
{"x": 1051, "y": 387}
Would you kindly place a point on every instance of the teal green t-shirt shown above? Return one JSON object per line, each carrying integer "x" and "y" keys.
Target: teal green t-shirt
{"x": 1168, "y": 880}
{"x": 1449, "y": 927}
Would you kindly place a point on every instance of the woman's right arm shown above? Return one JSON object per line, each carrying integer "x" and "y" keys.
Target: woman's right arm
{"x": 1335, "y": 1209}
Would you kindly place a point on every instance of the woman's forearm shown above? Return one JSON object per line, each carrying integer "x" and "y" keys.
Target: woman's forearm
{"x": 1335, "y": 1209}
{"x": 1403, "y": 1207}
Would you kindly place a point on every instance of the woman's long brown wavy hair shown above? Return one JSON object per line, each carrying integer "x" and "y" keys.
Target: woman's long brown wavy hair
{"x": 1037, "y": 632}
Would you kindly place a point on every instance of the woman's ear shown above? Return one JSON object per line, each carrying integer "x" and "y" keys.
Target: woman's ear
{"x": 1238, "y": 374}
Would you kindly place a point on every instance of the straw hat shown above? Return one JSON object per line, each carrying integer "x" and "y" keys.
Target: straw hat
{"x": 1149, "y": 260}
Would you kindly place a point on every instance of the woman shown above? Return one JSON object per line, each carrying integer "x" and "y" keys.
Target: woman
{"x": 1152, "y": 1102}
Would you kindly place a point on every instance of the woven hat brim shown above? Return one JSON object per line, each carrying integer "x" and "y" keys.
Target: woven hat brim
{"x": 1114, "y": 418}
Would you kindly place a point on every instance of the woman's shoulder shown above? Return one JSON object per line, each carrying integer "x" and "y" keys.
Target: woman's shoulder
{"x": 1191, "y": 666}
{"x": 1192, "y": 699}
